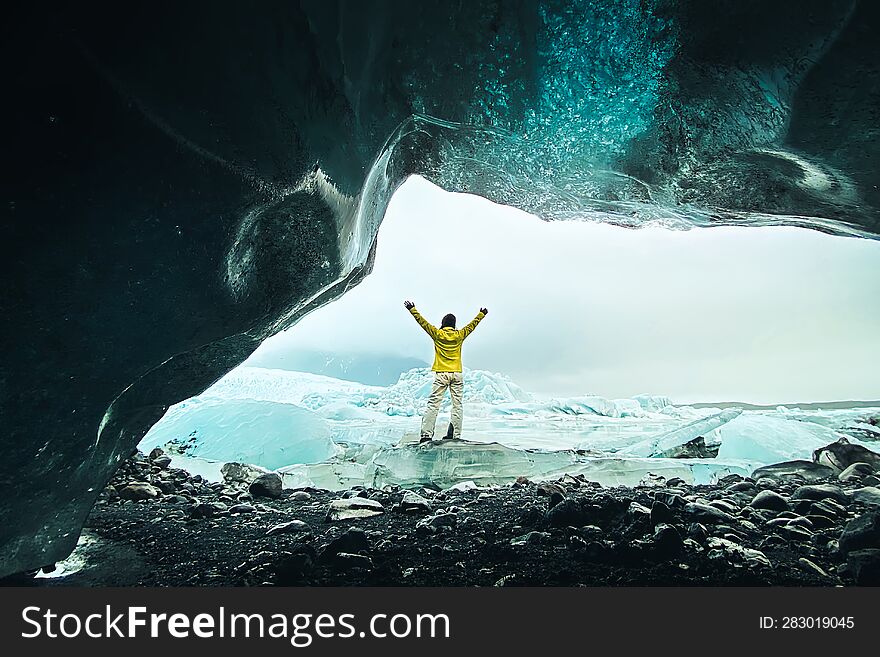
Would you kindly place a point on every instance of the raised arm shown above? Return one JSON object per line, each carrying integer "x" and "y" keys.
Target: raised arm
{"x": 430, "y": 329}
{"x": 466, "y": 331}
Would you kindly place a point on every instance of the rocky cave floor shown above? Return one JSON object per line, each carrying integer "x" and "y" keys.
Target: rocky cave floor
{"x": 158, "y": 526}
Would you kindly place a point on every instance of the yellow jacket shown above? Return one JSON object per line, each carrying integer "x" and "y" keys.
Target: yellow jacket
{"x": 447, "y": 342}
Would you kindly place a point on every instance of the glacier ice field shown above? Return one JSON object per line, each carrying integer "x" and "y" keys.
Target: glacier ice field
{"x": 329, "y": 433}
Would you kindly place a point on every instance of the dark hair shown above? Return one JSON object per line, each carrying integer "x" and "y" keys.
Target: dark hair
{"x": 448, "y": 320}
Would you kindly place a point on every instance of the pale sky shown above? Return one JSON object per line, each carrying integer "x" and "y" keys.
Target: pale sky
{"x": 761, "y": 315}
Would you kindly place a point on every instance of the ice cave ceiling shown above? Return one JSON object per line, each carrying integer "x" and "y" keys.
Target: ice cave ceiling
{"x": 184, "y": 180}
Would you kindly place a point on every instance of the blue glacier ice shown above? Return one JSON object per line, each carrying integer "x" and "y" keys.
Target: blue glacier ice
{"x": 330, "y": 433}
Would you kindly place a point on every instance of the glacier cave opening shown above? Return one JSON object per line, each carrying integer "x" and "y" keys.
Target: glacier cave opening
{"x": 606, "y": 349}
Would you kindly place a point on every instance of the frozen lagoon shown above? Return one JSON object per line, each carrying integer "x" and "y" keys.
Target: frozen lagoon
{"x": 328, "y": 433}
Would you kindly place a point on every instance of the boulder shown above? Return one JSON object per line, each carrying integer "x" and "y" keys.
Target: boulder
{"x": 861, "y": 532}
{"x": 864, "y": 565}
{"x": 869, "y": 495}
{"x": 809, "y": 470}
{"x": 771, "y": 500}
{"x": 818, "y": 492}
{"x": 139, "y": 491}
{"x": 855, "y": 472}
{"x": 705, "y": 513}
{"x": 354, "y": 507}
{"x": 267, "y": 485}
{"x": 241, "y": 473}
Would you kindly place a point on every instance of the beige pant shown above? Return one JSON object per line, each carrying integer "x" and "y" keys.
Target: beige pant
{"x": 442, "y": 381}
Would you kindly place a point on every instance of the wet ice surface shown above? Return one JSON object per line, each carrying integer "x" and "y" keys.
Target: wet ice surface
{"x": 324, "y": 432}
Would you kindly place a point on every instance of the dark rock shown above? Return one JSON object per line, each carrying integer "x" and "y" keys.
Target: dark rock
{"x": 670, "y": 499}
{"x": 697, "y": 532}
{"x": 696, "y": 448}
{"x": 531, "y": 538}
{"x": 706, "y": 513}
{"x": 241, "y": 508}
{"x": 842, "y": 454}
{"x": 555, "y": 498}
{"x": 439, "y": 520}
{"x": 155, "y": 453}
{"x": 868, "y": 495}
{"x": 267, "y": 485}
{"x": 864, "y": 565}
{"x": 660, "y": 513}
{"x": 861, "y": 533}
{"x": 821, "y": 522}
{"x": 667, "y": 540}
{"x": 768, "y": 499}
{"x": 742, "y": 487}
{"x": 162, "y": 462}
{"x": 290, "y": 527}
{"x": 725, "y": 505}
{"x": 347, "y": 561}
{"x": 855, "y": 472}
{"x": 203, "y": 510}
{"x": 809, "y": 470}
{"x": 352, "y": 540}
{"x": 292, "y": 568}
{"x": 166, "y": 487}
{"x": 820, "y": 492}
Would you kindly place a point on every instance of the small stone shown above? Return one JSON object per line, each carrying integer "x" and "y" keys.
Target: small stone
{"x": 768, "y": 499}
{"x": 530, "y": 538}
{"x": 202, "y": 510}
{"x": 156, "y": 452}
{"x": 291, "y": 527}
{"x": 346, "y": 561}
{"x": 811, "y": 567}
{"x": 742, "y": 487}
{"x": 300, "y": 496}
{"x": 242, "y": 508}
{"x": 439, "y": 520}
{"x": 795, "y": 533}
{"x": 162, "y": 462}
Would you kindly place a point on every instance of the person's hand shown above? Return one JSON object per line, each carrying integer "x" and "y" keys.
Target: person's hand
{"x": 485, "y": 311}
{"x": 409, "y": 305}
